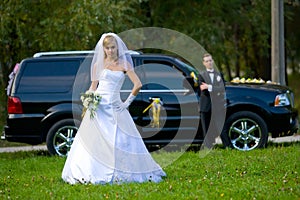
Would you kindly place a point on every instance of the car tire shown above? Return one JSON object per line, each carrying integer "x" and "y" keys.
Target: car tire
{"x": 61, "y": 135}
{"x": 245, "y": 131}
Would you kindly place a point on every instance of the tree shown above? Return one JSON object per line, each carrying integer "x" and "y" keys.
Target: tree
{"x": 236, "y": 32}
{"x": 292, "y": 44}
{"x": 28, "y": 26}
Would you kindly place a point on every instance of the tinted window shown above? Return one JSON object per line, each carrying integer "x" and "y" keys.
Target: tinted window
{"x": 162, "y": 76}
{"x": 48, "y": 76}
{"x": 157, "y": 75}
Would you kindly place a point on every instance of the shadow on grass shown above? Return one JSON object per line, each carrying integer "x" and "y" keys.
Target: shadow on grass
{"x": 283, "y": 144}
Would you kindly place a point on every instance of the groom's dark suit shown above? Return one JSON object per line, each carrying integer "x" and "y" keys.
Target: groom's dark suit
{"x": 209, "y": 99}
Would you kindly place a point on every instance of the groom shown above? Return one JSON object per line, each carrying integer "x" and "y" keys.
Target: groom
{"x": 212, "y": 93}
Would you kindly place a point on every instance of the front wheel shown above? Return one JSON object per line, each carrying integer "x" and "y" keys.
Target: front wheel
{"x": 245, "y": 131}
{"x": 60, "y": 136}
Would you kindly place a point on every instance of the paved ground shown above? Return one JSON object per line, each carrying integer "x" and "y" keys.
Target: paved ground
{"x": 23, "y": 148}
{"x": 43, "y": 147}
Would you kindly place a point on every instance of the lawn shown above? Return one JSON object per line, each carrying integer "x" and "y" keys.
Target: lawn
{"x": 271, "y": 173}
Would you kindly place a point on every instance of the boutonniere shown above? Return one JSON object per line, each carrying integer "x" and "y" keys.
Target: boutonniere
{"x": 218, "y": 78}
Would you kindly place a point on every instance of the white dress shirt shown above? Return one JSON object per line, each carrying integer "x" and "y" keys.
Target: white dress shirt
{"x": 211, "y": 75}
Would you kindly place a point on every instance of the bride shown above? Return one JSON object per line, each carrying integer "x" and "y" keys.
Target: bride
{"x": 108, "y": 147}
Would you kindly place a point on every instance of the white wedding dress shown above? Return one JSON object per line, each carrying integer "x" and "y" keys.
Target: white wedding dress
{"x": 108, "y": 148}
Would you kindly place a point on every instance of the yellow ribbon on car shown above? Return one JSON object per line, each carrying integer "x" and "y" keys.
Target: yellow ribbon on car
{"x": 195, "y": 78}
{"x": 156, "y": 108}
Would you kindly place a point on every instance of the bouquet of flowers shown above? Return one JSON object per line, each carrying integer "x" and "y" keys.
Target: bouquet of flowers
{"x": 90, "y": 101}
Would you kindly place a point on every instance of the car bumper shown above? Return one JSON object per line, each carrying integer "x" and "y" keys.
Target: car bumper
{"x": 3, "y": 136}
{"x": 284, "y": 123}
{"x": 23, "y": 128}
{"x": 296, "y": 126}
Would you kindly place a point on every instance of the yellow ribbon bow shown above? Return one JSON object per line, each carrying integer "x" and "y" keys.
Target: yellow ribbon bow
{"x": 156, "y": 108}
{"x": 195, "y": 78}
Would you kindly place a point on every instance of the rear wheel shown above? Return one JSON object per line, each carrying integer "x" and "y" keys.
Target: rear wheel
{"x": 245, "y": 131}
{"x": 61, "y": 135}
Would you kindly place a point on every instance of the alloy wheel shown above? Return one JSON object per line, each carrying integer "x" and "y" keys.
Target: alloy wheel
{"x": 63, "y": 139}
{"x": 245, "y": 134}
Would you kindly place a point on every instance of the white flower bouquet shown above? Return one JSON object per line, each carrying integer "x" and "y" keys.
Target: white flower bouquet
{"x": 90, "y": 101}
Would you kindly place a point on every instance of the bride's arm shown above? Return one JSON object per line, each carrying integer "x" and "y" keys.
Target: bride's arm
{"x": 94, "y": 85}
{"x": 94, "y": 74}
{"x": 137, "y": 85}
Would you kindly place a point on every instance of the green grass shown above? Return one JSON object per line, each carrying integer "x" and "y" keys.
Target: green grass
{"x": 271, "y": 173}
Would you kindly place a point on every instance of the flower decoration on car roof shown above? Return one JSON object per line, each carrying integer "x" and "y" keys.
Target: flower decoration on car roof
{"x": 249, "y": 80}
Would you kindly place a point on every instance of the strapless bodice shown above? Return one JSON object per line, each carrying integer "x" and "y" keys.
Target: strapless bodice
{"x": 110, "y": 81}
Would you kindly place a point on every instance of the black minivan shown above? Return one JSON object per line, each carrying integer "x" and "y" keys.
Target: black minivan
{"x": 44, "y": 103}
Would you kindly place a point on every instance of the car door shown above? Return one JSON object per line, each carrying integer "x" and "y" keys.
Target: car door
{"x": 178, "y": 117}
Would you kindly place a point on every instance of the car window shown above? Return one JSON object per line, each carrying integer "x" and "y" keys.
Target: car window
{"x": 48, "y": 76}
{"x": 157, "y": 75}
{"x": 160, "y": 76}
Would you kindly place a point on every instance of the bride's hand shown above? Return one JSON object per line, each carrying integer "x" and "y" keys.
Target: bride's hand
{"x": 125, "y": 104}
{"x": 122, "y": 106}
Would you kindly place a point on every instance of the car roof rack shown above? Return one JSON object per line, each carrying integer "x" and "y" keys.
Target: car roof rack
{"x": 57, "y": 53}
{"x": 132, "y": 52}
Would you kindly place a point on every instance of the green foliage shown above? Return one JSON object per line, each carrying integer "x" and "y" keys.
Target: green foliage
{"x": 237, "y": 33}
{"x": 292, "y": 41}
{"x": 221, "y": 174}
{"x": 28, "y": 26}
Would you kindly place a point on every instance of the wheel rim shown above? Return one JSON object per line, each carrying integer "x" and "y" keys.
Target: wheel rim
{"x": 245, "y": 134}
{"x": 63, "y": 139}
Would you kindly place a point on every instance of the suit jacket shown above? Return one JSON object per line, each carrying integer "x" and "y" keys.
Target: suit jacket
{"x": 217, "y": 92}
